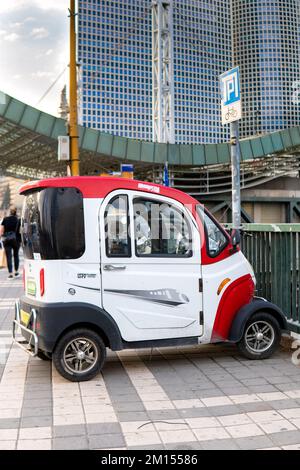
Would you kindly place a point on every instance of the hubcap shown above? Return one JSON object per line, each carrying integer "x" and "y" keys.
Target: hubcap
{"x": 259, "y": 336}
{"x": 80, "y": 355}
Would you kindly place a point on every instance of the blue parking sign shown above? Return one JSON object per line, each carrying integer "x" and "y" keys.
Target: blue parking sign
{"x": 230, "y": 86}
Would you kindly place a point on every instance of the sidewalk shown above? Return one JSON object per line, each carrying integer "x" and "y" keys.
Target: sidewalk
{"x": 190, "y": 398}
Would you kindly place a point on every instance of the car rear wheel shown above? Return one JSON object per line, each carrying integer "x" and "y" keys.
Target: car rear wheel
{"x": 261, "y": 336}
{"x": 79, "y": 355}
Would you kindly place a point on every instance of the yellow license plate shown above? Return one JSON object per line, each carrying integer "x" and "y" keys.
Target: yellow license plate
{"x": 25, "y": 317}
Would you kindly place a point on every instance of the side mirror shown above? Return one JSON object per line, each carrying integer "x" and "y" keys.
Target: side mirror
{"x": 235, "y": 237}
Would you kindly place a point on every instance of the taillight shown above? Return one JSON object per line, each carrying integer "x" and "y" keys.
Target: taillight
{"x": 42, "y": 282}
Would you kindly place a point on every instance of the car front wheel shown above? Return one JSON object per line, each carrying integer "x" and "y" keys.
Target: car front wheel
{"x": 79, "y": 355}
{"x": 261, "y": 336}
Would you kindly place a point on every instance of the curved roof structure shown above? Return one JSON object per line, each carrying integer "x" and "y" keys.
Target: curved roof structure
{"x": 28, "y": 148}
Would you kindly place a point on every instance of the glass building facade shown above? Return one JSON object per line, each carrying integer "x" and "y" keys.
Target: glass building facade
{"x": 266, "y": 46}
{"x": 115, "y": 53}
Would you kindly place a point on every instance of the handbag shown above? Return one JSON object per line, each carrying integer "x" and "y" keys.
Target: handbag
{"x": 3, "y": 262}
{"x": 9, "y": 236}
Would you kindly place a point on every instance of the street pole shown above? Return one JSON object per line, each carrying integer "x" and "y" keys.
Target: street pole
{"x": 73, "y": 126}
{"x": 235, "y": 174}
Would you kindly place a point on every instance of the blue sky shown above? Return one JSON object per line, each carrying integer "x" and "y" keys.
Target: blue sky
{"x": 34, "y": 38}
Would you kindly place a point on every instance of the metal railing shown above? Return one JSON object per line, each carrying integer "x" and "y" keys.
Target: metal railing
{"x": 274, "y": 252}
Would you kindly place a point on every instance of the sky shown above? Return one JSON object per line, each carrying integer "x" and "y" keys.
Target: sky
{"x": 34, "y": 37}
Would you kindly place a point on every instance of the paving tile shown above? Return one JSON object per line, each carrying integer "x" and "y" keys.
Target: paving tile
{"x": 8, "y": 434}
{"x": 253, "y": 443}
{"x": 224, "y": 410}
{"x": 158, "y": 405}
{"x": 35, "y": 433}
{"x": 133, "y": 416}
{"x": 103, "y": 428}
{"x": 202, "y": 422}
{"x": 210, "y": 434}
{"x": 264, "y": 416}
{"x": 244, "y": 430}
{"x": 129, "y": 406}
{"x": 234, "y": 420}
{"x": 220, "y": 444}
{"x": 142, "y": 438}
{"x": 39, "y": 421}
{"x": 277, "y": 426}
{"x": 296, "y": 422}
{"x": 137, "y": 426}
{"x": 172, "y": 436}
{"x": 9, "y": 423}
{"x": 8, "y": 445}
{"x": 285, "y": 438}
{"x": 190, "y": 403}
{"x": 69, "y": 430}
{"x": 292, "y": 447}
{"x": 171, "y": 425}
{"x": 70, "y": 443}
{"x": 101, "y": 418}
{"x": 34, "y": 444}
{"x": 68, "y": 419}
{"x": 195, "y": 412}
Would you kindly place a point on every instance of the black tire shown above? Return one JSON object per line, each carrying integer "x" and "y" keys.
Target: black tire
{"x": 64, "y": 350}
{"x": 44, "y": 356}
{"x": 272, "y": 337}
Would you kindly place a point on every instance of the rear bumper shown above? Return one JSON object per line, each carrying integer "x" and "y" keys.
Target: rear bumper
{"x": 50, "y": 320}
{"x": 31, "y": 343}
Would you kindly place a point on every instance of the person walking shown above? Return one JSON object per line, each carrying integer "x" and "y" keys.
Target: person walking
{"x": 11, "y": 238}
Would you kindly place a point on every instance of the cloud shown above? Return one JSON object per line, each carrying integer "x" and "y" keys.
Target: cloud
{"x": 18, "y": 24}
{"x": 11, "y": 37}
{"x": 29, "y": 69}
{"x": 14, "y": 5}
{"x": 41, "y": 74}
{"x": 39, "y": 33}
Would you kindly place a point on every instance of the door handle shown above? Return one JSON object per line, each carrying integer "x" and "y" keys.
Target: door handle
{"x": 113, "y": 267}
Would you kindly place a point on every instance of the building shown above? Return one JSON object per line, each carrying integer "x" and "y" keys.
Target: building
{"x": 115, "y": 53}
{"x": 266, "y": 46}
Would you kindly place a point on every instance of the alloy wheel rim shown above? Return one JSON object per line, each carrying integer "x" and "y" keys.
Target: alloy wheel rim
{"x": 259, "y": 336}
{"x": 80, "y": 355}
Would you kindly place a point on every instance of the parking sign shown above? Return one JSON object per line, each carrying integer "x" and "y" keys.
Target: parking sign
{"x": 231, "y": 96}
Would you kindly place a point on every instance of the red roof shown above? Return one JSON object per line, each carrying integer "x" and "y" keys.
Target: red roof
{"x": 100, "y": 186}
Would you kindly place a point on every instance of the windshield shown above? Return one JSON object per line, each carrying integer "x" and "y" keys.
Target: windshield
{"x": 52, "y": 224}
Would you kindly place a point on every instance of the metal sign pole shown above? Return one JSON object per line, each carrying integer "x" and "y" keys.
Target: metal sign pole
{"x": 235, "y": 175}
{"x": 231, "y": 111}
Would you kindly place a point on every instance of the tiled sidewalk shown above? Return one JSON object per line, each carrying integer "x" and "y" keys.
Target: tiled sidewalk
{"x": 190, "y": 398}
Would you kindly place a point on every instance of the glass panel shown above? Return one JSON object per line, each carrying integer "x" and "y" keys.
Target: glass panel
{"x": 52, "y": 224}
{"x": 160, "y": 230}
{"x": 216, "y": 239}
{"x": 116, "y": 228}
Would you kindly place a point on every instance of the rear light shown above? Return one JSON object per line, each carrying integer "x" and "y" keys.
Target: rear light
{"x": 42, "y": 282}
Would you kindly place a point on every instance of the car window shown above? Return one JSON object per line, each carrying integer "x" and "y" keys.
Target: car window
{"x": 216, "y": 239}
{"x": 117, "y": 237}
{"x": 160, "y": 229}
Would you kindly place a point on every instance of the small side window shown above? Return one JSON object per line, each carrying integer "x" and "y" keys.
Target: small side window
{"x": 117, "y": 237}
{"x": 216, "y": 239}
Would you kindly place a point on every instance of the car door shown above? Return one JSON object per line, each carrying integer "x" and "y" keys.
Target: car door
{"x": 150, "y": 266}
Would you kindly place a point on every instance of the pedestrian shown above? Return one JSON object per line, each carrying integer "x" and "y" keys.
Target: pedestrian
{"x": 10, "y": 235}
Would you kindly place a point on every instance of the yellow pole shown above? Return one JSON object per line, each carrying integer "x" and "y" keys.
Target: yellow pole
{"x": 73, "y": 130}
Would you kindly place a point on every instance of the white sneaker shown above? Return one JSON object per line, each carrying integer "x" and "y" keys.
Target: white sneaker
{"x": 17, "y": 274}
